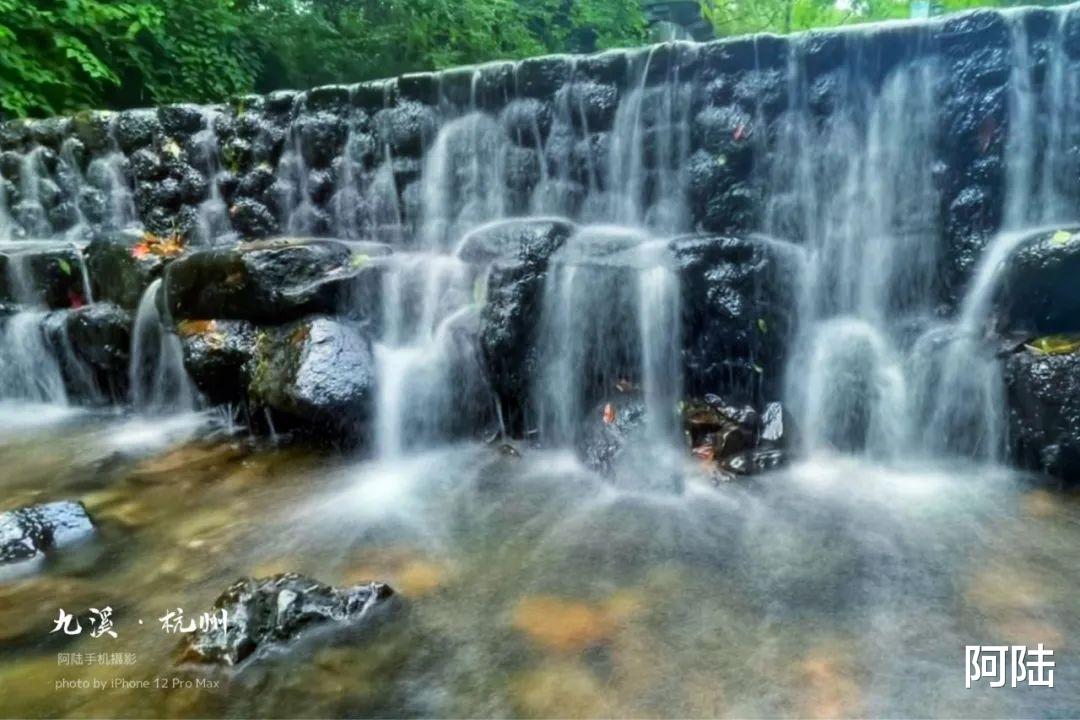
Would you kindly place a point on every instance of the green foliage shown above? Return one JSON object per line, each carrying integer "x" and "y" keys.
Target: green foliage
{"x": 60, "y": 56}
{"x": 736, "y": 17}
{"x": 351, "y": 40}
{"x": 64, "y": 55}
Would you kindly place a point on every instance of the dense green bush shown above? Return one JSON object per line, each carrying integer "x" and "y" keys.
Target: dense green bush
{"x": 735, "y": 17}
{"x": 63, "y": 55}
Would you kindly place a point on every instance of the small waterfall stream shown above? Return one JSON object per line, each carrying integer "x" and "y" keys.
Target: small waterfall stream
{"x": 157, "y": 379}
{"x": 580, "y": 196}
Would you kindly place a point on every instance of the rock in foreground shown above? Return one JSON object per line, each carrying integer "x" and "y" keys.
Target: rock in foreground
{"x": 27, "y": 533}
{"x": 271, "y": 611}
{"x": 1044, "y": 410}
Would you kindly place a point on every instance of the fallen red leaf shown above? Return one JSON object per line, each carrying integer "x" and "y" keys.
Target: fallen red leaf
{"x": 76, "y": 300}
{"x": 741, "y": 132}
{"x": 609, "y": 414}
{"x": 704, "y": 452}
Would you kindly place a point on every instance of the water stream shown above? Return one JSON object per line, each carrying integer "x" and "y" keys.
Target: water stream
{"x": 845, "y": 584}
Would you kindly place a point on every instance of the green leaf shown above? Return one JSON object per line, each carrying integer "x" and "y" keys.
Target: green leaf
{"x": 1054, "y": 345}
{"x": 359, "y": 260}
{"x": 65, "y": 266}
{"x": 762, "y": 326}
{"x": 1061, "y": 237}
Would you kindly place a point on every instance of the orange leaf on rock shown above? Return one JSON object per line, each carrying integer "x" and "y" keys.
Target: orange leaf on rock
{"x": 609, "y": 414}
{"x": 187, "y": 328}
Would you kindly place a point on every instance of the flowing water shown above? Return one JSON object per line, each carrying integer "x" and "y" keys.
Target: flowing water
{"x": 157, "y": 379}
{"x": 845, "y": 584}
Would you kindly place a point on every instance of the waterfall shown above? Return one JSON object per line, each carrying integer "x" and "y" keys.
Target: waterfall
{"x": 463, "y": 181}
{"x": 1044, "y": 96}
{"x": 29, "y": 369}
{"x": 298, "y": 214}
{"x": 157, "y": 378}
{"x": 844, "y": 151}
{"x": 213, "y": 213}
{"x": 108, "y": 174}
{"x": 424, "y": 295}
{"x": 29, "y": 211}
{"x": 857, "y": 189}
{"x": 609, "y": 317}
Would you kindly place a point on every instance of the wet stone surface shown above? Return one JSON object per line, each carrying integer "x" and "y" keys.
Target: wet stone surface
{"x": 273, "y": 611}
{"x": 28, "y": 532}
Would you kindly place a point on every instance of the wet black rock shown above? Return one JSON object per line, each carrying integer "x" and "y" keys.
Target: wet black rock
{"x": 754, "y": 462}
{"x": 1044, "y": 412}
{"x": 331, "y": 98}
{"x": 407, "y": 127}
{"x": 48, "y": 274}
{"x": 118, "y": 272}
{"x": 717, "y": 429}
{"x": 720, "y": 196}
{"x": 609, "y": 430}
{"x": 519, "y": 251}
{"x": 29, "y": 532}
{"x": 515, "y": 239}
{"x": 92, "y": 128}
{"x": 1039, "y": 292}
{"x": 321, "y": 137}
{"x": 316, "y": 372}
{"x": 217, "y": 356}
{"x": 736, "y": 310}
{"x": 252, "y": 219}
{"x": 147, "y": 165}
{"x": 527, "y": 121}
{"x": 589, "y": 105}
{"x": 268, "y": 281}
{"x": 180, "y": 119}
{"x": 541, "y": 77}
{"x": 136, "y": 129}
{"x": 270, "y": 612}
{"x": 422, "y": 87}
{"x": 100, "y": 339}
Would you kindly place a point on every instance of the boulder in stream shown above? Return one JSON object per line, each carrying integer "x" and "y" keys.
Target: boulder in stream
{"x": 93, "y": 345}
{"x": 1043, "y": 384}
{"x": 41, "y": 274}
{"x": 519, "y": 252}
{"x": 217, "y": 356}
{"x": 272, "y": 611}
{"x": 317, "y": 372}
{"x": 268, "y": 281}
{"x": 610, "y": 430}
{"x": 737, "y": 301}
{"x": 1039, "y": 292}
{"x": 29, "y": 532}
{"x": 119, "y": 272}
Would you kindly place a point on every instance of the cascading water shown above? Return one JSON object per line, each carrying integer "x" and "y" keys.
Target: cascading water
{"x": 29, "y": 370}
{"x": 610, "y": 316}
{"x": 213, "y": 213}
{"x": 857, "y": 189}
{"x": 107, "y": 175}
{"x": 157, "y": 379}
